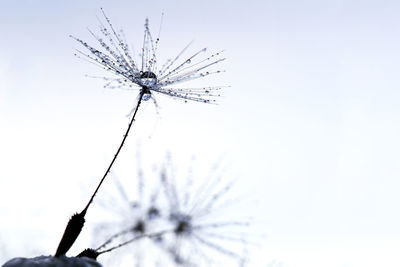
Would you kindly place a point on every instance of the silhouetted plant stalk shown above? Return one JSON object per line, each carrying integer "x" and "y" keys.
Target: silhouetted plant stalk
{"x": 75, "y": 225}
{"x": 114, "y": 55}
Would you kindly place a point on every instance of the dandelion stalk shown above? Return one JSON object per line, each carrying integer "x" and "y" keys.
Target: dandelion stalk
{"x": 140, "y": 97}
{"x": 77, "y": 221}
{"x": 94, "y": 253}
{"x": 153, "y": 235}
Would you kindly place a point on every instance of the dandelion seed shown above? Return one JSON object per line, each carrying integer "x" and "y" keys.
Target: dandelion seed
{"x": 115, "y": 56}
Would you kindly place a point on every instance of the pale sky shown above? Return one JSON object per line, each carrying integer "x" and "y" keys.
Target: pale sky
{"x": 310, "y": 122}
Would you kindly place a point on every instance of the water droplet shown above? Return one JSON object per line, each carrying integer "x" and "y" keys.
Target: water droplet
{"x": 146, "y": 96}
{"x": 148, "y": 79}
{"x": 188, "y": 61}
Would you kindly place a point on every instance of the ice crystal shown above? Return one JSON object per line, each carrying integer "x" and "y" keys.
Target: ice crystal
{"x": 145, "y": 74}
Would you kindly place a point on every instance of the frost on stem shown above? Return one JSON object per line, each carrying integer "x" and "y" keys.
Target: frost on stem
{"x": 187, "y": 223}
{"x": 115, "y": 56}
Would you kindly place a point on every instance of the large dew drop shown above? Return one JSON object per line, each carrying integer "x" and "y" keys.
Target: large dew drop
{"x": 148, "y": 79}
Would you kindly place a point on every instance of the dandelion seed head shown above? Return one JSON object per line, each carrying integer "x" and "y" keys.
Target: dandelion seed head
{"x": 139, "y": 227}
{"x": 182, "y": 223}
{"x": 145, "y": 74}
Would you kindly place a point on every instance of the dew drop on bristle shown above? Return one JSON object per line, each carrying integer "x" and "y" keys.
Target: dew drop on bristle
{"x": 148, "y": 79}
{"x": 146, "y": 96}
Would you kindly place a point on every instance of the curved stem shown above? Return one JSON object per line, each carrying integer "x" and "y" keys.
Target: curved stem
{"x": 114, "y": 236}
{"x": 152, "y": 235}
{"x": 116, "y": 154}
{"x": 75, "y": 224}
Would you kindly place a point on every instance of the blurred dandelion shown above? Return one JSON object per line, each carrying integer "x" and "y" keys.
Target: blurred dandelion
{"x": 135, "y": 215}
{"x": 202, "y": 229}
{"x": 188, "y": 225}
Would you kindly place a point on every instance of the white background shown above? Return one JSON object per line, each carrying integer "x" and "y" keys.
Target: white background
{"x": 311, "y": 121}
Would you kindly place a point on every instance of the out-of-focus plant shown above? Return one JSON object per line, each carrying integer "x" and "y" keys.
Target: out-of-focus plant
{"x": 180, "y": 220}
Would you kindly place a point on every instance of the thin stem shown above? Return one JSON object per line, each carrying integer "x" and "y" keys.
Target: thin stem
{"x": 153, "y": 235}
{"x": 77, "y": 221}
{"x": 119, "y": 150}
{"x": 109, "y": 240}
